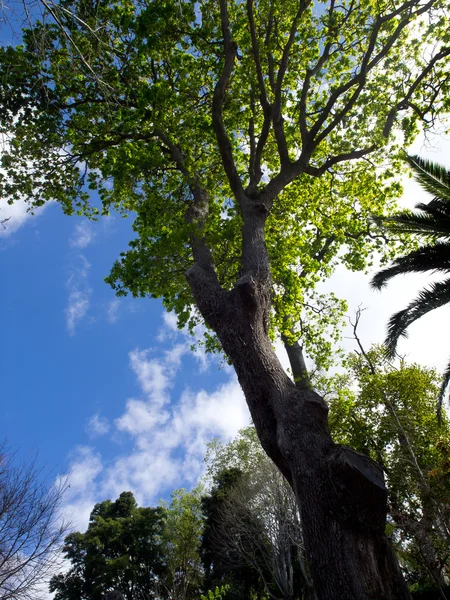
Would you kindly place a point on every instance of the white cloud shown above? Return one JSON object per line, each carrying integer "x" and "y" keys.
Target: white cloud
{"x": 79, "y": 294}
{"x": 16, "y": 215}
{"x": 83, "y": 235}
{"x": 168, "y": 432}
{"x": 97, "y": 426}
{"x": 112, "y": 312}
{"x": 172, "y": 434}
{"x": 77, "y": 307}
{"x": 80, "y": 497}
{"x": 152, "y": 374}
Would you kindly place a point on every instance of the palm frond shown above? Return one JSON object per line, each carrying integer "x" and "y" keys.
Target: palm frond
{"x": 414, "y": 222}
{"x": 435, "y": 296}
{"x": 435, "y": 257}
{"x": 434, "y": 178}
{"x": 437, "y": 207}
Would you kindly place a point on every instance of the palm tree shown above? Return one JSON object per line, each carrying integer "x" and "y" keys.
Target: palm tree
{"x": 432, "y": 222}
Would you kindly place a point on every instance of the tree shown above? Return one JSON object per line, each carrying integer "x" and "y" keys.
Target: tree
{"x": 386, "y": 409}
{"x": 120, "y": 552}
{"x": 31, "y": 530}
{"x": 432, "y": 224}
{"x": 240, "y": 134}
{"x": 253, "y": 520}
{"x": 182, "y": 533}
{"x": 258, "y": 526}
{"x": 221, "y": 563}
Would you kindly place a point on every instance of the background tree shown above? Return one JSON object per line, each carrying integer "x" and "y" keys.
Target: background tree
{"x": 120, "y": 551}
{"x": 239, "y": 134}
{"x": 31, "y": 529}
{"x": 253, "y": 520}
{"x": 431, "y": 224}
{"x": 386, "y": 409}
{"x": 183, "y": 528}
{"x": 222, "y": 564}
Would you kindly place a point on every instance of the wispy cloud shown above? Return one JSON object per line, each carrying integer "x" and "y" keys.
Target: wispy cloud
{"x": 97, "y": 426}
{"x": 79, "y": 294}
{"x": 112, "y": 312}
{"x": 83, "y": 235}
{"x": 81, "y": 494}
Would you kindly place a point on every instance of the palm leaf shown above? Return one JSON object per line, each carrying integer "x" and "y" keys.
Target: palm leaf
{"x": 413, "y": 222}
{"x": 437, "y": 295}
{"x": 434, "y": 257}
{"x": 434, "y": 178}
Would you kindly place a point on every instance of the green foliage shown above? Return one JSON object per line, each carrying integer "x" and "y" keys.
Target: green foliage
{"x": 218, "y": 593}
{"x": 387, "y": 411}
{"x": 182, "y": 533}
{"x": 121, "y": 549}
{"x": 118, "y": 98}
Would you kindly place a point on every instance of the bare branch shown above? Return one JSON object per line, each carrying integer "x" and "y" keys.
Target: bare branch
{"x": 30, "y": 534}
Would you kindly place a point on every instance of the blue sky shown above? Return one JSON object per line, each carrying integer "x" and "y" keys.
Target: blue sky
{"x": 106, "y": 389}
{"x": 94, "y": 381}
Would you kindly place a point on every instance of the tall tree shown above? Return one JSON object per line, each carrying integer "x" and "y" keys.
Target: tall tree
{"x": 431, "y": 224}
{"x": 120, "y": 552}
{"x": 240, "y": 134}
{"x": 254, "y": 513}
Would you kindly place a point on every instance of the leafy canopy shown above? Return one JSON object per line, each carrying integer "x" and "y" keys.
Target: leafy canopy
{"x": 155, "y": 104}
{"x": 121, "y": 549}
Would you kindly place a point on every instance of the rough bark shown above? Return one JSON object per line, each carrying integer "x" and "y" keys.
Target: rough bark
{"x": 341, "y": 493}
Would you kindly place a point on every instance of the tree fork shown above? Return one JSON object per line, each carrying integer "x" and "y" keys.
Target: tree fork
{"x": 341, "y": 493}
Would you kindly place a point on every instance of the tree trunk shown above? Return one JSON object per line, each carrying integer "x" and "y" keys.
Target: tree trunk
{"x": 341, "y": 493}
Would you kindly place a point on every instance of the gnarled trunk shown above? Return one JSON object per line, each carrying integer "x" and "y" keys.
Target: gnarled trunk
{"x": 341, "y": 493}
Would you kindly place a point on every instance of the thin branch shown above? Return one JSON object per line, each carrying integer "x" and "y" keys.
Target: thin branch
{"x": 406, "y": 102}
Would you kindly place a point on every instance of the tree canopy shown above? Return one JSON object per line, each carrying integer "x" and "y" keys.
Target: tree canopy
{"x": 178, "y": 110}
{"x": 121, "y": 550}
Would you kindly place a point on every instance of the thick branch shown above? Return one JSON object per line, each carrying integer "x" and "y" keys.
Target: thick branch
{"x": 223, "y": 140}
{"x": 354, "y": 155}
{"x": 256, "y": 57}
{"x": 277, "y": 117}
{"x": 298, "y": 364}
{"x": 196, "y": 215}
